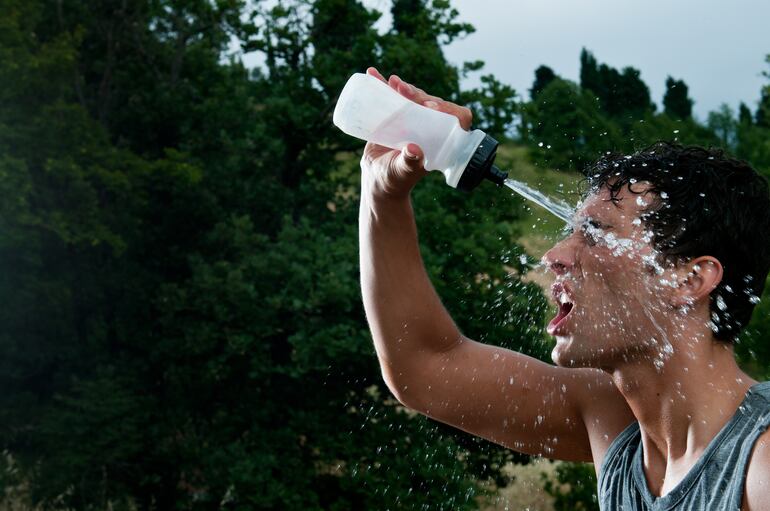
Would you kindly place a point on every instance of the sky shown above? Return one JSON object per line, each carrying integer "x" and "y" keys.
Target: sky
{"x": 717, "y": 47}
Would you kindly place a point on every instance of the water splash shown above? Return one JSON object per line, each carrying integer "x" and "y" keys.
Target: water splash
{"x": 558, "y": 208}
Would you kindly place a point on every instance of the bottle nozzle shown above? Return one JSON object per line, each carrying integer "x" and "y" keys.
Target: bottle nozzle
{"x": 481, "y": 166}
{"x": 496, "y": 175}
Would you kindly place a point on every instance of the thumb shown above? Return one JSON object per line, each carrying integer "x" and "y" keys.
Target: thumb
{"x": 412, "y": 158}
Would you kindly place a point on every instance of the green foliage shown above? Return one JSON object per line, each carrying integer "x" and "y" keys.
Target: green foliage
{"x": 565, "y": 127}
{"x": 744, "y": 114}
{"x": 752, "y": 347}
{"x": 183, "y": 326}
{"x": 722, "y": 122}
{"x": 569, "y": 126}
{"x": 763, "y": 110}
{"x": 622, "y": 95}
{"x": 654, "y": 127}
{"x": 543, "y": 76}
{"x": 413, "y": 47}
{"x": 351, "y": 48}
{"x": 494, "y": 106}
{"x": 574, "y": 489}
{"x": 461, "y": 233}
{"x": 752, "y": 138}
{"x": 676, "y": 103}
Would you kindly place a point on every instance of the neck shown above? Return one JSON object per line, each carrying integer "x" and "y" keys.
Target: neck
{"x": 683, "y": 399}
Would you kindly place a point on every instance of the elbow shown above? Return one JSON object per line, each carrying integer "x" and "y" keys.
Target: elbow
{"x": 396, "y": 388}
{"x": 400, "y": 393}
{"x": 404, "y": 393}
{"x": 401, "y": 390}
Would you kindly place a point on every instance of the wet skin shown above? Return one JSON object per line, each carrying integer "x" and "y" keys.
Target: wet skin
{"x": 622, "y": 298}
{"x": 646, "y": 323}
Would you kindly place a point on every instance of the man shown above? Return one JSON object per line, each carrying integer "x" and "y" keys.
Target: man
{"x": 668, "y": 255}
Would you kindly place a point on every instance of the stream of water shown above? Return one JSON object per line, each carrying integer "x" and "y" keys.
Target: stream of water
{"x": 559, "y": 208}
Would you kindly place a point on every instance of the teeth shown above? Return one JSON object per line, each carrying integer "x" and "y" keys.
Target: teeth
{"x": 563, "y": 298}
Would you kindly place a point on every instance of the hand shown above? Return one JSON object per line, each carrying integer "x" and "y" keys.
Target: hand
{"x": 389, "y": 173}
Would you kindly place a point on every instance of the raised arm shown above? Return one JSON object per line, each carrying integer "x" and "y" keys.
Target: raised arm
{"x": 498, "y": 394}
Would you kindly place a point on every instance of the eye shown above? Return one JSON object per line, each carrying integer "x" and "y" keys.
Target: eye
{"x": 592, "y": 230}
{"x": 595, "y": 224}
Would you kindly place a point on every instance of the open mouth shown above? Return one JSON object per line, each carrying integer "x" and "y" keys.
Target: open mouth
{"x": 563, "y": 298}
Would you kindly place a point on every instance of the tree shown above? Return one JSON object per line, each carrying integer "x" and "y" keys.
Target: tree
{"x": 762, "y": 116}
{"x": 589, "y": 73}
{"x": 752, "y": 350}
{"x": 494, "y": 106}
{"x": 543, "y": 76}
{"x": 744, "y": 115}
{"x": 180, "y": 263}
{"x": 676, "y": 102}
{"x": 722, "y": 122}
{"x": 574, "y": 488}
{"x": 565, "y": 127}
{"x": 413, "y": 47}
{"x": 622, "y": 95}
{"x": 353, "y": 48}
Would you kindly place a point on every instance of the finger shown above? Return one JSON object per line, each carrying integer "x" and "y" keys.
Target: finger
{"x": 413, "y": 151}
{"x": 410, "y": 91}
{"x": 405, "y": 89}
{"x": 373, "y": 72}
{"x": 394, "y": 82}
{"x": 463, "y": 114}
{"x": 411, "y": 159}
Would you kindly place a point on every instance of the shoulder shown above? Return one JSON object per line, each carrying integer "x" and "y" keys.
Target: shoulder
{"x": 757, "y": 491}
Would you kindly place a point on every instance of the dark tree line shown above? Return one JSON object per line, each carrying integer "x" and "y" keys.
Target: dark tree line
{"x": 568, "y": 125}
{"x": 182, "y": 325}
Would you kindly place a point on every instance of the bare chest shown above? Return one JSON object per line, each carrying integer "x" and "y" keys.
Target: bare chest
{"x": 662, "y": 475}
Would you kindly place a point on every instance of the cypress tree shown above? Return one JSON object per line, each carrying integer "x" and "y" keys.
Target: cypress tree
{"x": 543, "y": 76}
{"x": 676, "y": 102}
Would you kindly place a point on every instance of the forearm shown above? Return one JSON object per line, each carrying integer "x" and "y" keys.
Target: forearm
{"x": 406, "y": 317}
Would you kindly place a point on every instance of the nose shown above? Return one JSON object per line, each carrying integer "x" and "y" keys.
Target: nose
{"x": 560, "y": 259}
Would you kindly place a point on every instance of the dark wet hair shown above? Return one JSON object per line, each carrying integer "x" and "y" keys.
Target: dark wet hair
{"x": 706, "y": 203}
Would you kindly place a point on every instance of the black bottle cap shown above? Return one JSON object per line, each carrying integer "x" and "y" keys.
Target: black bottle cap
{"x": 482, "y": 166}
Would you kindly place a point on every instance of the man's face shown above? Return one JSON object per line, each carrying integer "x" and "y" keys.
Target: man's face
{"x": 611, "y": 292}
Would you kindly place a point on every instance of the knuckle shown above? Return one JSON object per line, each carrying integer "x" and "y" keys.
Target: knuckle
{"x": 367, "y": 158}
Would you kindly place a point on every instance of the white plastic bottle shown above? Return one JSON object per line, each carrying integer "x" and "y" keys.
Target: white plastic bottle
{"x": 371, "y": 110}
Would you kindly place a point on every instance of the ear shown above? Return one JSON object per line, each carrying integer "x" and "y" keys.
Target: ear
{"x": 698, "y": 278}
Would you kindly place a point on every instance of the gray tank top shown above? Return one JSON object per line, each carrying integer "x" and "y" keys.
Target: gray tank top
{"x": 715, "y": 482}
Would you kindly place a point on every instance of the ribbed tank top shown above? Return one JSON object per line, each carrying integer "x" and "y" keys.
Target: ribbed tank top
{"x": 715, "y": 482}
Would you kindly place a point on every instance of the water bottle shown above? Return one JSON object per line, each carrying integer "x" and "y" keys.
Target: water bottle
{"x": 371, "y": 110}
